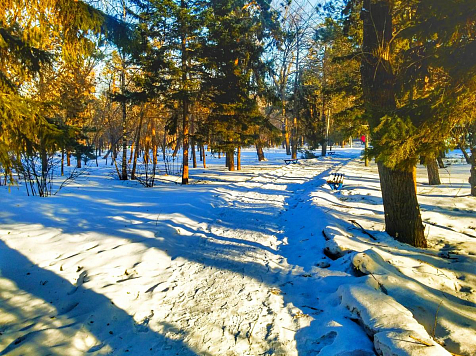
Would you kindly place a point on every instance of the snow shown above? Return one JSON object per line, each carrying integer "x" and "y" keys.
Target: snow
{"x": 263, "y": 261}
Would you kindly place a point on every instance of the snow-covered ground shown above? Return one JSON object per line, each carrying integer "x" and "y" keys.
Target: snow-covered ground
{"x": 263, "y": 261}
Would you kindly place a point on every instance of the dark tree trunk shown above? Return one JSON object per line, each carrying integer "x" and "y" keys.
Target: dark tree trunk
{"x": 185, "y": 101}
{"x": 402, "y": 212}
{"x": 294, "y": 145}
{"x": 259, "y": 151}
{"x": 177, "y": 146}
{"x": 472, "y": 178}
{"x": 433, "y": 172}
{"x": 238, "y": 159}
{"x": 62, "y": 161}
{"x": 440, "y": 162}
{"x": 367, "y": 163}
{"x": 286, "y": 137}
{"x": 465, "y": 154}
{"x": 136, "y": 151}
{"x": 230, "y": 160}
{"x": 78, "y": 159}
{"x": 44, "y": 172}
{"x": 124, "y": 130}
{"x": 194, "y": 155}
{"x": 401, "y": 205}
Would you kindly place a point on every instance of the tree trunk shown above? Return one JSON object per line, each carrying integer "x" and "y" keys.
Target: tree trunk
{"x": 185, "y": 101}
{"x": 402, "y": 213}
{"x": 204, "y": 156}
{"x": 366, "y": 150}
{"x": 259, "y": 151}
{"x": 62, "y": 162}
{"x": 286, "y": 137}
{"x": 131, "y": 155}
{"x": 230, "y": 160}
{"x": 238, "y": 159}
{"x": 472, "y": 178}
{"x": 194, "y": 155}
{"x": 177, "y": 146}
{"x": 68, "y": 158}
{"x": 78, "y": 159}
{"x": 124, "y": 126}
{"x": 136, "y": 151}
{"x": 433, "y": 172}
{"x": 294, "y": 140}
{"x": 465, "y": 154}
{"x": 43, "y": 186}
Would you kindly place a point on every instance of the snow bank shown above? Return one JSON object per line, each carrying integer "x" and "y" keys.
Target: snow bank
{"x": 394, "y": 330}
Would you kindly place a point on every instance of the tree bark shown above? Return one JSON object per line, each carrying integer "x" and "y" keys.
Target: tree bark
{"x": 465, "y": 154}
{"x": 259, "y": 151}
{"x": 238, "y": 159}
{"x": 194, "y": 155}
{"x": 62, "y": 162}
{"x": 286, "y": 137}
{"x": 402, "y": 213}
{"x": 137, "y": 147}
{"x": 204, "y": 156}
{"x": 433, "y": 172}
{"x": 294, "y": 140}
{"x": 185, "y": 100}
{"x": 230, "y": 160}
{"x": 366, "y": 151}
{"x": 472, "y": 178}
{"x": 78, "y": 159}
{"x": 124, "y": 125}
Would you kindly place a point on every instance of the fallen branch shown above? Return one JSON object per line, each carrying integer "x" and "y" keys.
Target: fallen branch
{"x": 363, "y": 230}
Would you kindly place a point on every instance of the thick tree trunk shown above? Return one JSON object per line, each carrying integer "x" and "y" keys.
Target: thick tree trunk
{"x": 230, "y": 160}
{"x": 433, "y": 172}
{"x": 68, "y": 158}
{"x": 238, "y": 159}
{"x": 204, "y": 156}
{"x": 78, "y": 159}
{"x": 402, "y": 213}
{"x": 259, "y": 151}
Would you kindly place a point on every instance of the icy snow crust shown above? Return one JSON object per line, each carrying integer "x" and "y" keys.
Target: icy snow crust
{"x": 258, "y": 262}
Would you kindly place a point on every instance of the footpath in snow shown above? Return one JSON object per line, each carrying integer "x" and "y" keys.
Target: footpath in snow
{"x": 264, "y": 261}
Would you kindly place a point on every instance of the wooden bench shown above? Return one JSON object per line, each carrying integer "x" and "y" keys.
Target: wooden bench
{"x": 289, "y": 161}
{"x": 336, "y": 181}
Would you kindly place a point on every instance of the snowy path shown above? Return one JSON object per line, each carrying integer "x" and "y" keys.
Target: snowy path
{"x": 234, "y": 273}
